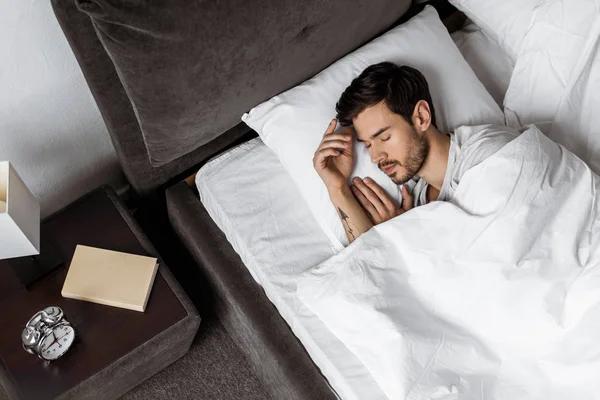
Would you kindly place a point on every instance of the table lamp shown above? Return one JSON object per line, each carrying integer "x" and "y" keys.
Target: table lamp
{"x": 20, "y": 229}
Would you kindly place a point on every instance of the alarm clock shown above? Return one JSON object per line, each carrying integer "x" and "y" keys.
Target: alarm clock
{"x": 48, "y": 334}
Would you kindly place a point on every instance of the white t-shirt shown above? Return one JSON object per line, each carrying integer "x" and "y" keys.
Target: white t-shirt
{"x": 469, "y": 146}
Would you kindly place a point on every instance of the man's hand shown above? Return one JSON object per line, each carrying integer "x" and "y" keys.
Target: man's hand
{"x": 378, "y": 205}
{"x": 334, "y": 157}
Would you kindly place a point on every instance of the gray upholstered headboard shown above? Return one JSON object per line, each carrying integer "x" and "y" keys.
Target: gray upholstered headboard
{"x": 172, "y": 77}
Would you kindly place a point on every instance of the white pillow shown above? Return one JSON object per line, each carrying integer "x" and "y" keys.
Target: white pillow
{"x": 292, "y": 123}
{"x": 505, "y": 21}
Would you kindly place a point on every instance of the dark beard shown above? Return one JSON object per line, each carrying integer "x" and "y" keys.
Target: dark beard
{"x": 414, "y": 160}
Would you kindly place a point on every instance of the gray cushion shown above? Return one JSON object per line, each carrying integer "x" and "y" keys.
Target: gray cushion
{"x": 191, "y": 68}
{"x": 117, "y": 112}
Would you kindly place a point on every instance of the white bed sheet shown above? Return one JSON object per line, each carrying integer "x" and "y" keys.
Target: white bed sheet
{"x": 252, "y": 199}
{"x": 250, "y": 196}
{"x": 487, "y": 59}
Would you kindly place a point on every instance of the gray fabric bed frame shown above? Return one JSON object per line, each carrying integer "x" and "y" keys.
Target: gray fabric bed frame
{"x": 301, "y": 39}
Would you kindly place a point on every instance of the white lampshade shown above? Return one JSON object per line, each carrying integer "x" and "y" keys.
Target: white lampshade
{"x": 19, "y": 216}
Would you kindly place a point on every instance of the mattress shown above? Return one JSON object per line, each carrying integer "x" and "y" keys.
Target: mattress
{"x": 254, "y": 202}
{"x": 251, "y": 198}
{"x": 489, "y": 62}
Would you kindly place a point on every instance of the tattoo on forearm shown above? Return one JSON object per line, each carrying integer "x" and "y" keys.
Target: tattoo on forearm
{"x": 346, "y": 219}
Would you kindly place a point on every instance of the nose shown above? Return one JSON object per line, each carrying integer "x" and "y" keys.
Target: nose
{"x": 377, "y": 155}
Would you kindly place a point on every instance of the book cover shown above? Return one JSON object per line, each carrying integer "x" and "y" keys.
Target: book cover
{"x": 110, "y": 277}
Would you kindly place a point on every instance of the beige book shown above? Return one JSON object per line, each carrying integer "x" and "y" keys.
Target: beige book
{"x": 110, "y": 277}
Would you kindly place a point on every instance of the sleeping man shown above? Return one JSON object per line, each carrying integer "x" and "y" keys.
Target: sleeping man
{"x": 392, "y": 113}
{"x": 489, "y": 292}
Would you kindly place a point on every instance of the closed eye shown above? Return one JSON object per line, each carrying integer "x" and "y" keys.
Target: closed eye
{"x": 386, "y": 139}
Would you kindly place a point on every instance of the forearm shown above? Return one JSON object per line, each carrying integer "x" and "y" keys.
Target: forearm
{"x": 353, "y": 217}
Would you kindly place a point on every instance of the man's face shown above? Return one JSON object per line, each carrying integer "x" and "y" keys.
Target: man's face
{"x": 394, "y": 145}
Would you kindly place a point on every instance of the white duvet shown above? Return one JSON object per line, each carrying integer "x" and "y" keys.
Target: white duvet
{"x": 495, "y": 295}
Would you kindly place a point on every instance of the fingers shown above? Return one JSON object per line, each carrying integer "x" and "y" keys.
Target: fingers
{"x": 378, "y": 204}
{"x": 336, "y": 136}
{"x": 366, "y": 204}
{"x": 330, "y": 127}
{"x": 370, "y": 195}
{"x": 408, "y": 200}
{"x": 332, "y": 145}
{"x": 340, "y": 144}
{"x": 337, "y": 141}
{"x": 383, "y": 196}
{"x": 321, "y": 155}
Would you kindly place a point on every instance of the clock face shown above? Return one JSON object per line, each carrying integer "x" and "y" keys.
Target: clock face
{"x": 58, "y": 342}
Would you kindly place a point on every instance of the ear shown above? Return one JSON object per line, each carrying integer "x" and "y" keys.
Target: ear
{"x": 421, "y": 117}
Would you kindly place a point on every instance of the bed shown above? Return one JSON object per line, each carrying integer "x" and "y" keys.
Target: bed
{"x": 231, "y": 216}
{"x": 247, "y": 184}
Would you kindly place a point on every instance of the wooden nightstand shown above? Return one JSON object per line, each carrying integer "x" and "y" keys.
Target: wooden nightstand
{"x": 114, "y": 349}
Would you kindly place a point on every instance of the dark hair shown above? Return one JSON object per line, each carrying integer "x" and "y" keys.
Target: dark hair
{"x": 401, "y": 88}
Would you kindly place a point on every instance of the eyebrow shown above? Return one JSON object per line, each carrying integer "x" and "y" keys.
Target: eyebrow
{"x": 373, "y": 136}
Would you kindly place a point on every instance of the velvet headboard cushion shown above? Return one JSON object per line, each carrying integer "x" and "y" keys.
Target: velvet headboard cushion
{"x": 172, "y": 77}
